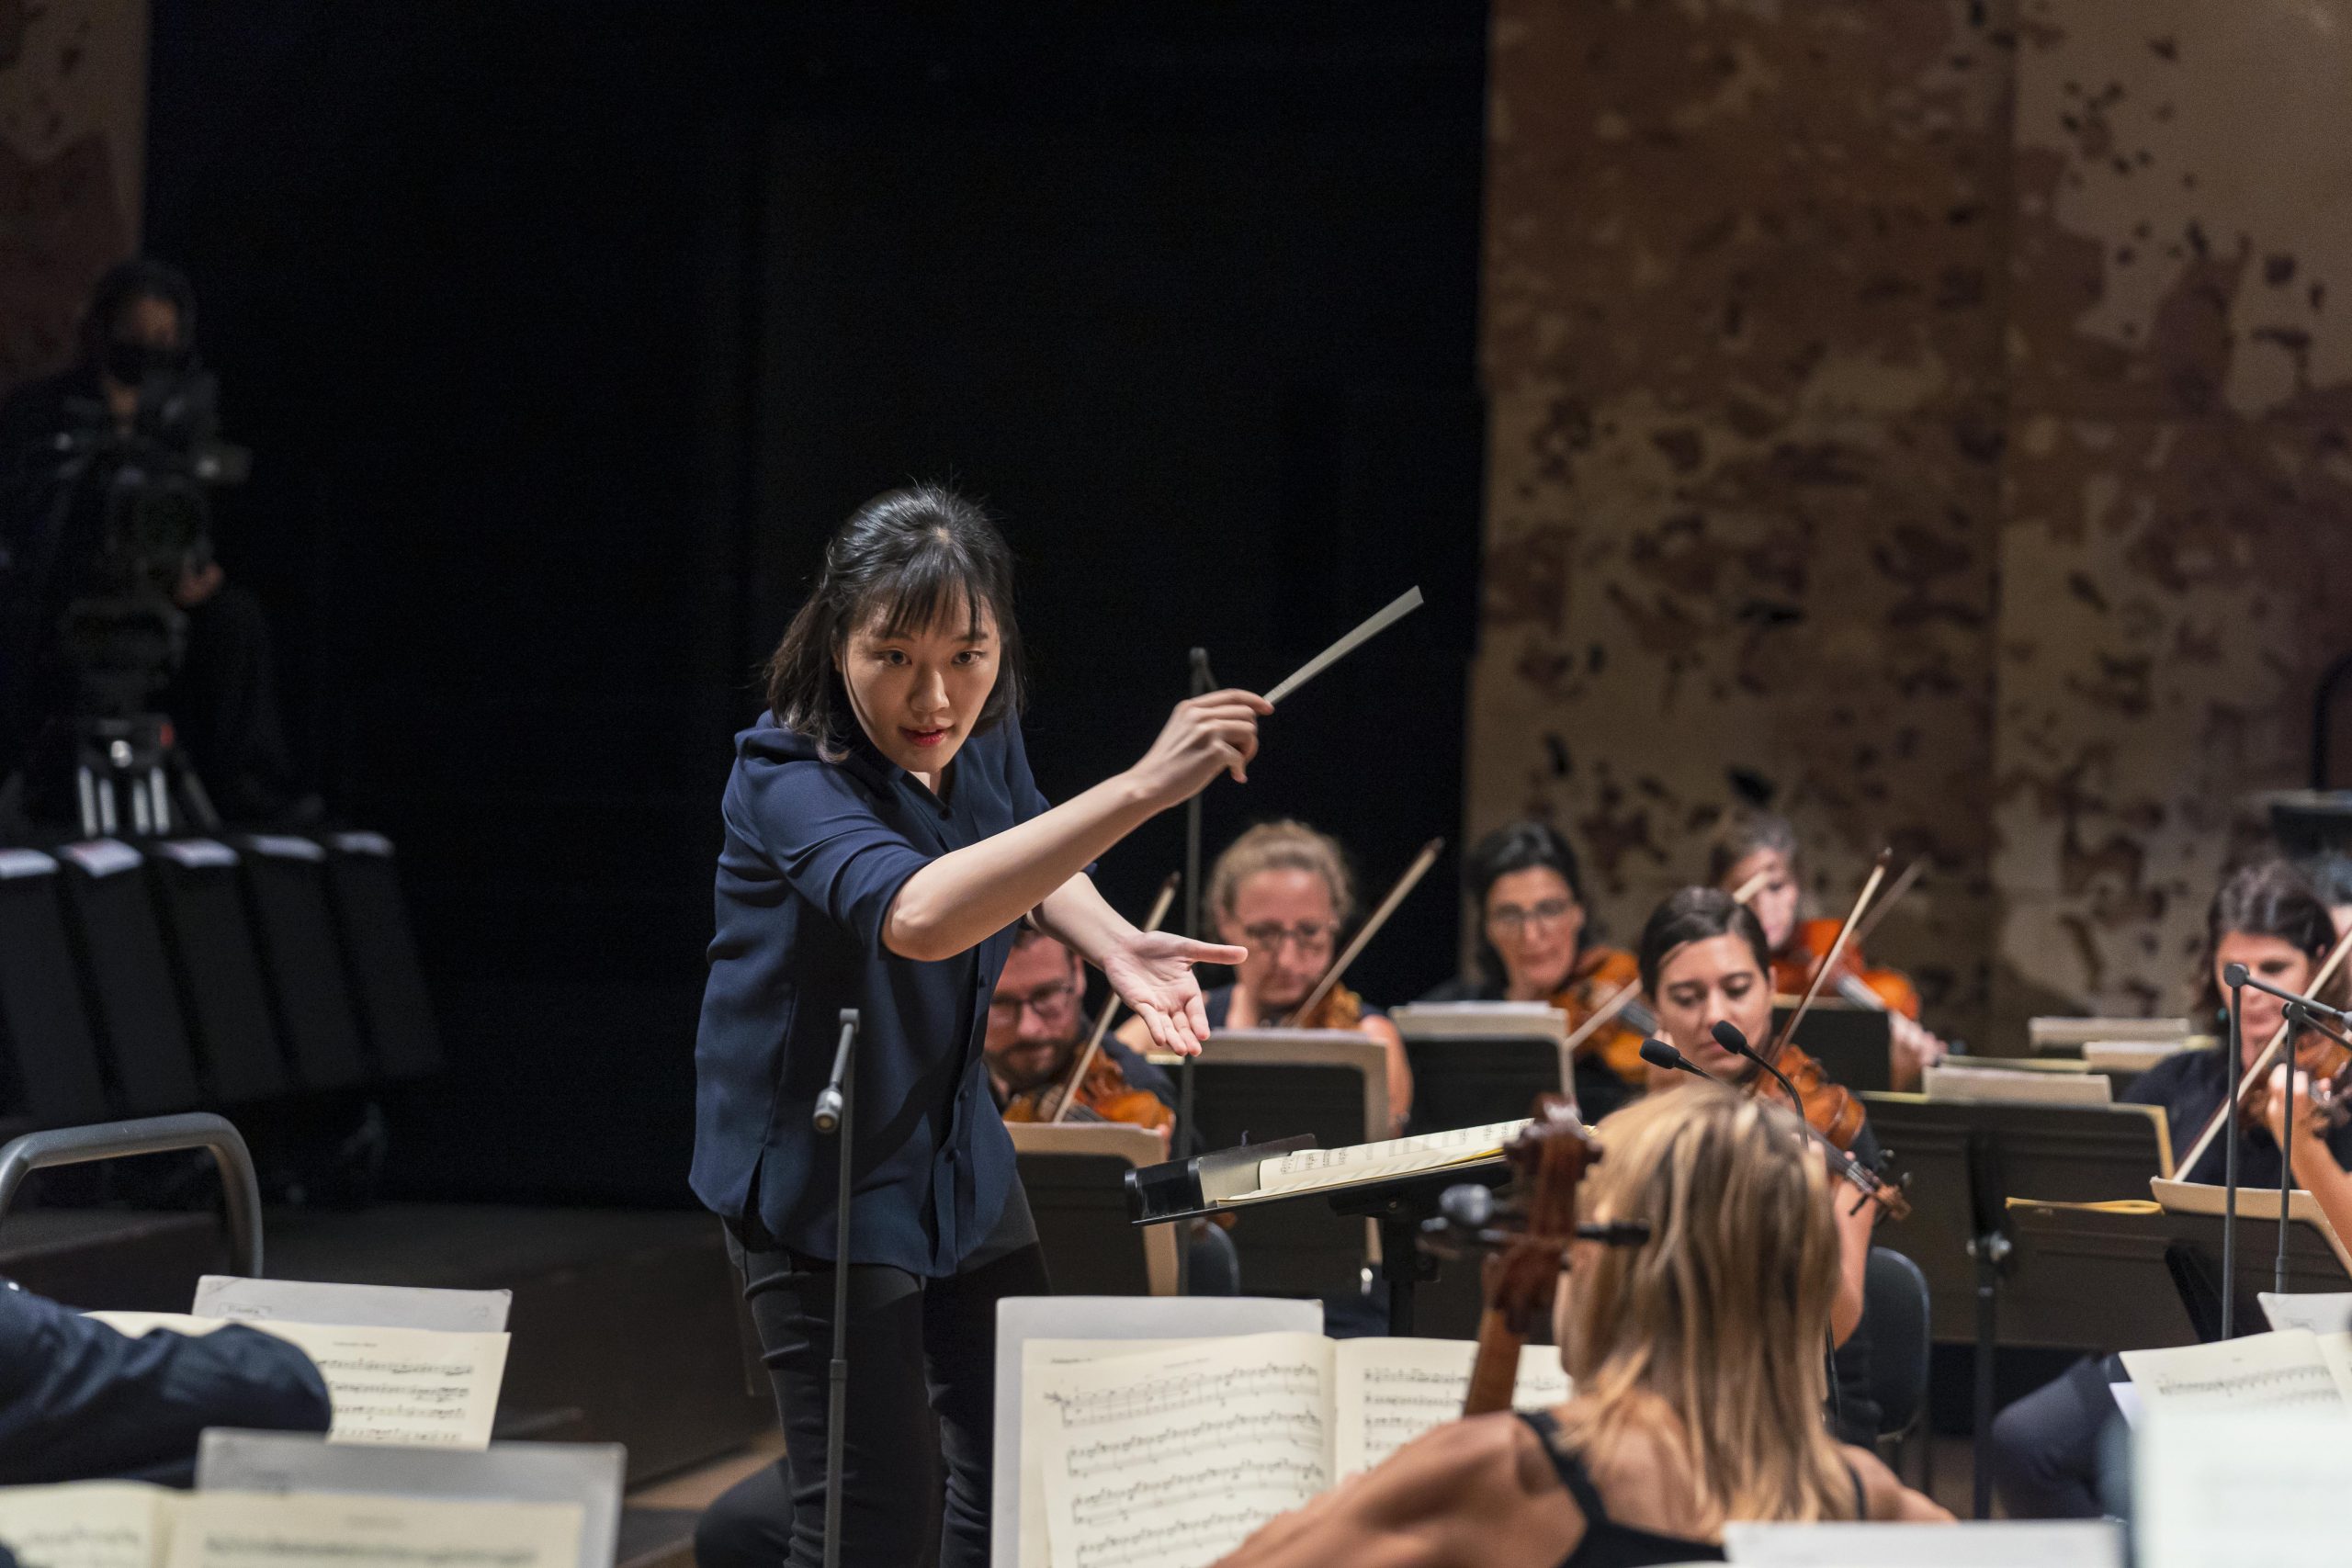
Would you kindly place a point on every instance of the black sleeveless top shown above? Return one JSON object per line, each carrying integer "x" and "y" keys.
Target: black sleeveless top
{"x": 1607, "y": 1543}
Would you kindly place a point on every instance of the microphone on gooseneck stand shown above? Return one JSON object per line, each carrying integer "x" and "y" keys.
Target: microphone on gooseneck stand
{"x": 1666, "y": 1058}
{"x": 1728, "y": 1036}
{"x": 2237, "y": 975}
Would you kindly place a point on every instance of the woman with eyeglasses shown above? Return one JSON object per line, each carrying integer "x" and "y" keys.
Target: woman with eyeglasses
{"x": 1524, "y": 883}
{"x": 1282, "y": 890}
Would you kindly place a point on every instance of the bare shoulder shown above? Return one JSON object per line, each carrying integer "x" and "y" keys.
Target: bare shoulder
{"x": 1469, "y": 1492}
{"x": 1886, "y": 1496}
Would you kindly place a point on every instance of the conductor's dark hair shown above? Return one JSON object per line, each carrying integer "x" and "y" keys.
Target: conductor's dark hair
{"x": 139, "y": 277}
{"x": 1696, "y": 914}
{"x": 904, "y": 562}
{"x": 2265, "y": 898}
{"x": 1524, "y": 845}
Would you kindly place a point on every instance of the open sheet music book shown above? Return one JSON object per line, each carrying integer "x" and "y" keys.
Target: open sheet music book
{"x": 389, "y": 1385}
{"x": 1168, "y": 1457}
{"x": 127, "y": 1524}
{"x": 2288, "y": 1369}
{"x": 1313, "y": 1171}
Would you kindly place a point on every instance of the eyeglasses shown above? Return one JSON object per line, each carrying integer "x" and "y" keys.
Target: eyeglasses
{"x": 1512, "y": 919}
{"x": 1312, "y": 936}
{"x": 1050, "y": 1003}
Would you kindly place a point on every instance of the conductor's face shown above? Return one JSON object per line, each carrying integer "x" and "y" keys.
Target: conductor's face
{"x": 1285, "y": 917}
{"x": 917, "y": 694}
{"x": 1705, "y": 982}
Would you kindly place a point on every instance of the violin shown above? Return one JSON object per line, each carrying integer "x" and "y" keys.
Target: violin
{"x": 1319, "y": 1006}
{"x": 2255, "y": 1084}
{"x": 1595, "y": 982}
{"x": 1879, "y": 990}
{"x": 1337, "y": 1008}
{"x": 1103, "y": 1095}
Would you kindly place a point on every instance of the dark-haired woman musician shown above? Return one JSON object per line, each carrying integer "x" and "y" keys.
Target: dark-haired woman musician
{"x": 1527, "y": 894}
{"x": 1703, "y": 963}
{"x": 2045, "y": 1448}
{"x": 883, "y": 837}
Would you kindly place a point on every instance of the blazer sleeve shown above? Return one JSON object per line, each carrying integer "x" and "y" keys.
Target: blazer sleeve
{"x": 79, "y": 1400}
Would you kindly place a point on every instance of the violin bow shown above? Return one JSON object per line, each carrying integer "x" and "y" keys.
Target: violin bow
{"x": 1829, "y": 960}
{"x": 2262, "y": 1064}
{"x": 1111, "y": 1008}
{"x": 1750, "y": 888}
{"x": 1619, "y": 1001}
{"x": 1887, "y": 900}
{"x": 1379, "y": 916}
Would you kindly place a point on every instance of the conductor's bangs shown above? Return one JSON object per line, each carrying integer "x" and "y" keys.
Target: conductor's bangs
{"x": 940, "y": 588}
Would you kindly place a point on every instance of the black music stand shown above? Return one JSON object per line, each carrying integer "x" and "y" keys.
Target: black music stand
{"x": 1965, "y": 1160}
{"x": 1854, "y": 1045}
{"x": 1208, "y": 1184}
{"x": 2085, "y": 1274}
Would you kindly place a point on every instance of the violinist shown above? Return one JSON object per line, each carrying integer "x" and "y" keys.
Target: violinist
{"x": 1703, "y": 962}
{"x": 1524, "y": 883}
{"x": 1036, "y": 1025}
{"x": 1288, "y": 887}
{"x": 2045, "y": 1447}
{"x": 1755, "y": 852}
{"x": 1697, "y": 1397}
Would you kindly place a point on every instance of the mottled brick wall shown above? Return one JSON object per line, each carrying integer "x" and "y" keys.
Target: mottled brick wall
{"x": 73, "y": 127}
{"x": 1901, "y": 407}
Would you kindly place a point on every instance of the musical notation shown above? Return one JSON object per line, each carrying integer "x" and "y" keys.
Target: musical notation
{"x": 1306, "y": 1170}
{"x": 253, "y": 1530}
{"x": 2287, "y": 1370}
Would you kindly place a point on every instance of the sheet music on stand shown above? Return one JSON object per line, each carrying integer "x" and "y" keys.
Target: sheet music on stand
{"x": 2091, "y": 1544}
{"x": 589, "y": 1476}
{"x": 362, "y": 1306}
{"x": 2322, "y": 1312}
{"x": 2261, "y": 1489}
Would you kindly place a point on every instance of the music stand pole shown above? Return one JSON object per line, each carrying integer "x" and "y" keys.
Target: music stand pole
{"x": 2230, "y": 1167}
{"x": 834, "y": 1108}
{"x": 1180, "y": 1138}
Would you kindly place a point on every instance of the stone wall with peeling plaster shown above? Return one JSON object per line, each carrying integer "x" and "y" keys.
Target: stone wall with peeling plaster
{"x": 1932, "y": 415}
{"x": 72, "y": 140}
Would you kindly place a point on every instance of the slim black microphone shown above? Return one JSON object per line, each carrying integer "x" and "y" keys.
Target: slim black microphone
{"x": 2236, "y": 975}
{"x": 1658, "y": 1054}
{"x": 1727, "y": 1035}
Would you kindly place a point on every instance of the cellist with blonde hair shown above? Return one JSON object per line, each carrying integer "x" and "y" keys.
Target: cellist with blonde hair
{"x": 1695, "y": 1359}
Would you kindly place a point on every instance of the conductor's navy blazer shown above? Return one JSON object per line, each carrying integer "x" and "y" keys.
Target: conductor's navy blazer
{"x": 814, "y": 852}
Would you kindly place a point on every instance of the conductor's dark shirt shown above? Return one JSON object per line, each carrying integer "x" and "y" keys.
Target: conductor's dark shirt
{"x": 80, "y": 1401}
{"x": 2191, "y": 1086}
{"x": 814, "y": 856}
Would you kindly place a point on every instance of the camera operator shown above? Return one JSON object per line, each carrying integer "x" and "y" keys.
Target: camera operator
{"x": 134, "y": 399}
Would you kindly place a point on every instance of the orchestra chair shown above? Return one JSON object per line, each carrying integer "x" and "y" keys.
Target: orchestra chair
{"x": 1894, "y": 1305}
{"x": 49, "y": 1048}
{"x": 1075, "y": 1173}
{"x": 1259, "y": 1085}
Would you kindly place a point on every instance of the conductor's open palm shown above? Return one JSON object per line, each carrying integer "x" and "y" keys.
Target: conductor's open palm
{"x": 1152, "y": 973}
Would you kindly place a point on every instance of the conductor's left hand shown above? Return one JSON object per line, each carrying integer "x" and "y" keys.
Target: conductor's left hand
{"x": 1152, "y": 973}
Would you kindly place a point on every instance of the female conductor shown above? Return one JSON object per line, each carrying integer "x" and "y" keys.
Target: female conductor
{"x": 883, "y": 838}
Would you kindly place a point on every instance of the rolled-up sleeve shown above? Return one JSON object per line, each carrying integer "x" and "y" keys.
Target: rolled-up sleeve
{"x": 79, "y": 1400}
{"x": 818, "y": 828}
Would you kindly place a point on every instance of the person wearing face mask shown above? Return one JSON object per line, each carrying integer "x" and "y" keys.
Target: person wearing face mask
{"x": 2046, "y": 1447}
{"x": 882, "y": 836}
{"x": 1755, "y": 853}
{"x": 1696, "y": 1395}
{"x": 1704, "y": 962}
{"x": 138, "y": 334}
{"x": 1529, "y": 900}
{"x": 1282, "y": 891}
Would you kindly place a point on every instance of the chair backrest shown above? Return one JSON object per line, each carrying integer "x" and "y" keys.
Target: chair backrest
{"x": 1894, "y": 1305}
{"x": 1075, "y": 1175}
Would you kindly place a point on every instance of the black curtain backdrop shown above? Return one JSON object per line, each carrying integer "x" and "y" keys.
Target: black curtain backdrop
{"x": 564, "y": 333}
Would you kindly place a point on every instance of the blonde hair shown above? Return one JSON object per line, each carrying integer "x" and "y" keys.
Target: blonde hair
{"x": 1285, "y": 845}
{"x": 1709, "y": 1339}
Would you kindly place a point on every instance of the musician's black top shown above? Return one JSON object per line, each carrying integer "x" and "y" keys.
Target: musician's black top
{"x": 1607, "y": 1543}
{"x": 2191, "y": 1086}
